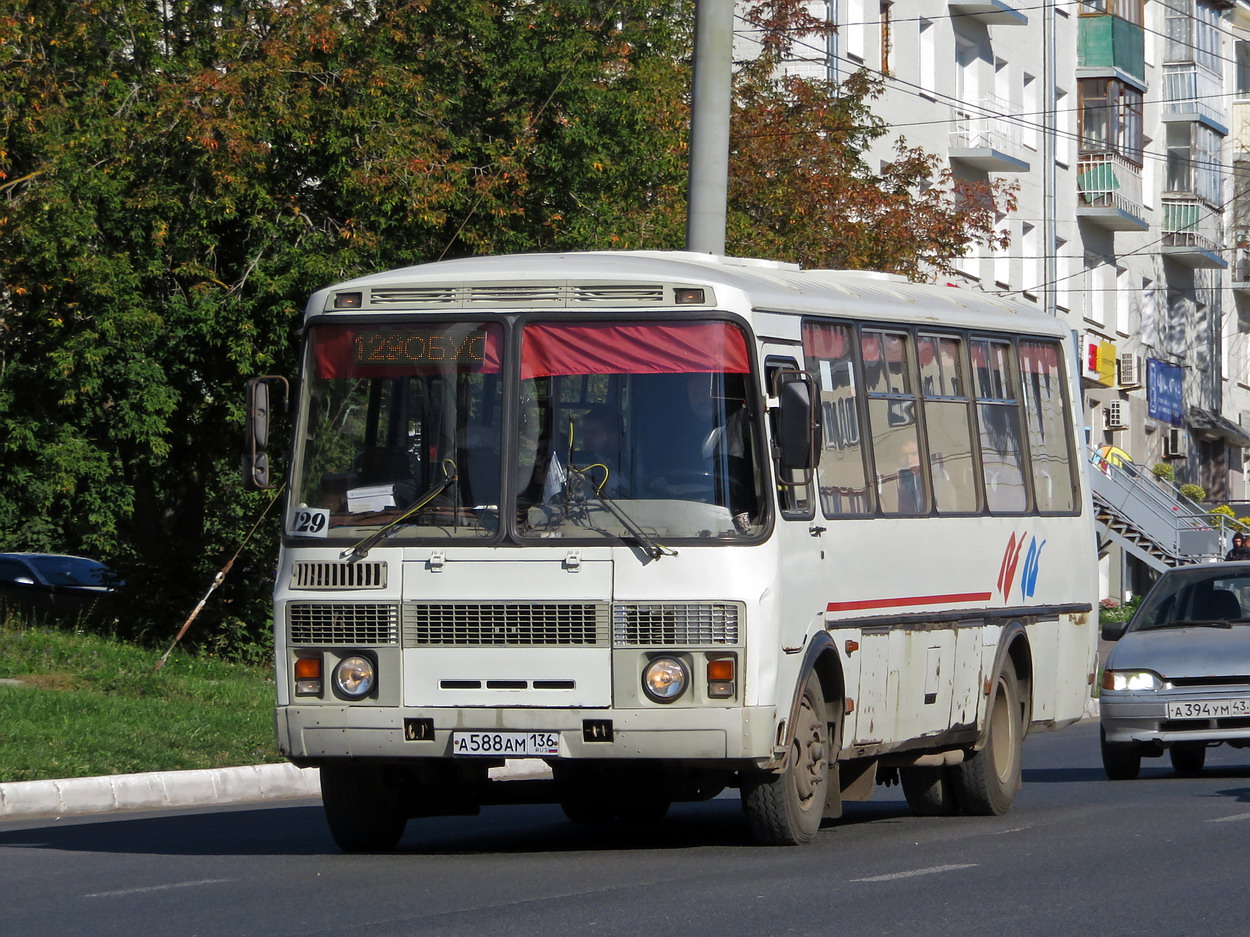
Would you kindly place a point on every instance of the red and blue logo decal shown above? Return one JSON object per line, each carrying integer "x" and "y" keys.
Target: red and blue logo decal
{"x": 1011, "y": 561}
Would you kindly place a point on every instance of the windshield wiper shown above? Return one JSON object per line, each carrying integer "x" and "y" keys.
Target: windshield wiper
{"x": 361, "y": 550}
{"x": 650, "y": 546}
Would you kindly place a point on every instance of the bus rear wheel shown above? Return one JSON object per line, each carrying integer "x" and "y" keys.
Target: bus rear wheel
{"x": 785, "y": 808}
{"x": 985, "y": 783}
{"x": 362, "y": 809}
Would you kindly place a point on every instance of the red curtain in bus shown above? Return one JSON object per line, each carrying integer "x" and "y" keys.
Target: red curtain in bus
{"x": 550, "y": 349}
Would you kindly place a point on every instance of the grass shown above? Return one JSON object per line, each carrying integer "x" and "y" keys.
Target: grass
{"x": 85, "y": 704}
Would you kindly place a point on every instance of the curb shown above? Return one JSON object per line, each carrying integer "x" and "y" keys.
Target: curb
{"x": 157, "y": 790}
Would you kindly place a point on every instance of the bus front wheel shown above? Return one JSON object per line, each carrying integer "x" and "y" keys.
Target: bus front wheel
{"x": 986, "y": 782}
{"x": 362, "y": 809}
{"x": 785, "y": 808}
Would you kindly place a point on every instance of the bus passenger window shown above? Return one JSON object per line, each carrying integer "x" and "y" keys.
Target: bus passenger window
{"x": 998, "y": 422}
{"x": 948, "y": 424}
{"x": 1046, "y": 409}
{"x": 900, "y": 474}
{"x": 841, "y": 479}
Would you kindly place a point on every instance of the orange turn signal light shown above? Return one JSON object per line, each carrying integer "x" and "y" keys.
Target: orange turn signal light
{"x": 720, "y": 670}
{"x": 308, "y": 668}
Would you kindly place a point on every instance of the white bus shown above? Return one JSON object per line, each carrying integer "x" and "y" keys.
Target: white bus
{"x": 675, "y": 523}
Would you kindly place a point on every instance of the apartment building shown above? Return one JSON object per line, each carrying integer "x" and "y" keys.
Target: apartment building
{"x": 1126, "y": 124}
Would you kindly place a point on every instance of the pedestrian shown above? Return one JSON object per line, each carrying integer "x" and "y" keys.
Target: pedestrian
{"x": 1240, "y": 550}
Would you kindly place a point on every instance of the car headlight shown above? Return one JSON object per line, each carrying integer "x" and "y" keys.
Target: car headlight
{"x": 355, "y": 677}
{"x": 1131, "y": 680}
{"x": 664, "y": 679}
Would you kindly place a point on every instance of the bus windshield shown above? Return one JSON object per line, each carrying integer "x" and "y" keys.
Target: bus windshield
{"x": 652, "y": 420}
{"x": 639, "y": 430}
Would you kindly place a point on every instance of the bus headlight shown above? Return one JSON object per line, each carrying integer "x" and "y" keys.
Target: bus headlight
{"x": 664, "y": 679}
{"x": 355, "y": 677}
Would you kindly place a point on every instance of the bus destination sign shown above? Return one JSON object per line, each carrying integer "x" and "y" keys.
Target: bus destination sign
{"x": 419, "y": 347}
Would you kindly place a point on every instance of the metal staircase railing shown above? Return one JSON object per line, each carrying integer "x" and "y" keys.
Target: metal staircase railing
{"x": 1149, "y": 517}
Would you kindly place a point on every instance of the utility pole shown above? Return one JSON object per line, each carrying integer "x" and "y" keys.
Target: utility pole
{"x": 1050, "y": 262}
{"x": 709, "y": 126}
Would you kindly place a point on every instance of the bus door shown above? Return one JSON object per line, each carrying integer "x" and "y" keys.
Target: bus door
{"x": 800, "y": 534}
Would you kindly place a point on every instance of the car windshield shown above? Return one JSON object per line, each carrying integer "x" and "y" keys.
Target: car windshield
{"x": 630, "y": 430}
{"x": 1196, "y": 596}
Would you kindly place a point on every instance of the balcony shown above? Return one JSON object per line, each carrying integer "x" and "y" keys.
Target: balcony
{"x": 1193, "y": 232}
{"x": 1108, "y": 43}
{"x": 982, "y": 136}
{"x": 1110, "y": 192}
{"x": 1193, "y": 93}
{"x": 990, "y": 12}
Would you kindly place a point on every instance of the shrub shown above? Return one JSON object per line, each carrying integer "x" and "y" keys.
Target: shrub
{"x": 1164, "y": 471}
{"x": 1110, "y": 610}
{"x": 1193, "y": 492}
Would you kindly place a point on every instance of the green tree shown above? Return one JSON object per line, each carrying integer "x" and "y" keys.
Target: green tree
{"x": 178, "y": 175}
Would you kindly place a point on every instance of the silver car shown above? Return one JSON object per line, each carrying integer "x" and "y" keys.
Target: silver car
{"x": 1178, "y": 678}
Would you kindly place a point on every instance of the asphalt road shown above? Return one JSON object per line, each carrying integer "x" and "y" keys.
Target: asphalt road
{"x": 1078, "y": 855}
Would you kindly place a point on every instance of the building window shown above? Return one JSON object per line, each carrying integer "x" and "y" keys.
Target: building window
{"x": 1242, "y": 71}
{"x": 1131, "y": 10}
{"x": 928, "y": 66}
{"x": 1192, "y": 33}
{"x": 1193, "y": 161}
{"x": 1111, "y": 118}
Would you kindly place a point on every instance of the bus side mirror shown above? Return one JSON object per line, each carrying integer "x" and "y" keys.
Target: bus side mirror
{"x": 256, "y": 458}
{"x": 798, "y": 430}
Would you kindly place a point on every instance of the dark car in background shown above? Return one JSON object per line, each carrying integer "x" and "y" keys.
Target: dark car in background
{"x": 55, "y": 584}
{"x": 1178, "y": 678}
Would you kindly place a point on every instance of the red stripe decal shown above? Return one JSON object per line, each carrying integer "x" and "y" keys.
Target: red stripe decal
{"x": 908, "y": 600}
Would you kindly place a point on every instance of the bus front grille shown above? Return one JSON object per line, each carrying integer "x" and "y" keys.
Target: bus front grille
{"x": 314, "y": 574}
{"x": 342, "y": 623}
{"x": 666, "y": 624}
{"x": 471, "y": 624}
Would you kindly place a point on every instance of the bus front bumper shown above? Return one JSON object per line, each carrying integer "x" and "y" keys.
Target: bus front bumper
{"x": 313, "y": 733}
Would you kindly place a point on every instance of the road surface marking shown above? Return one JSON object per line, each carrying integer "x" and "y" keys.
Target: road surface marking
{"x": 932, "y": 870}
{"x": 1236, "y": 816}
{"x": 139, "y": 891}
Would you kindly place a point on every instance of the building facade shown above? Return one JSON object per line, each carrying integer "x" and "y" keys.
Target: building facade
{"x": 1126, "y": 124}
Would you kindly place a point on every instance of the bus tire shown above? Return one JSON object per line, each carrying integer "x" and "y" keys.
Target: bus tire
{"x": 785, "y": 808}
{"x": 985, "y": 783}
{"x": 361, "y": 809}
{"x": 929, "y": 791}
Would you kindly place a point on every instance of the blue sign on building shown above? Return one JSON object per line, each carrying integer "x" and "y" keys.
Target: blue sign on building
{"x": 1164, "y": 384}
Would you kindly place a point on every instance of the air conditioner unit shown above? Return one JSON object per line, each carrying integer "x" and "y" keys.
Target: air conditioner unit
{"x": 1115, "y": 415}
{"x": 1129, "y": 367}
{"x": 1174, "y": 444}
